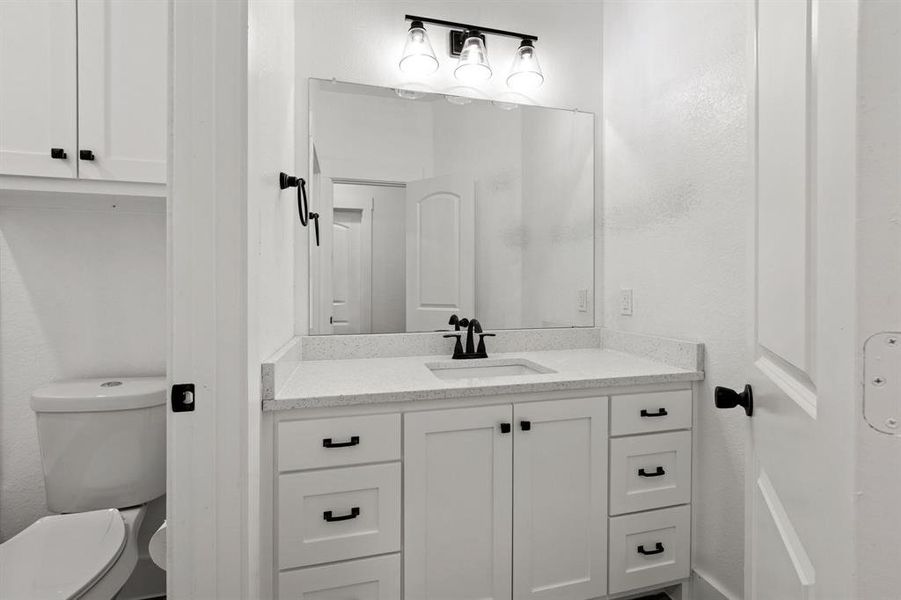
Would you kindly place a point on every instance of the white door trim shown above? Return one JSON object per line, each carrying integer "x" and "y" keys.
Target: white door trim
{"x": 210, "y": 551}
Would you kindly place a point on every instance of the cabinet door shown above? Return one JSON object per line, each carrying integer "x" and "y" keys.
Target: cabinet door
{"x": 457, "y": 504}
{"x": 560, "y": 508}
{"x": 122, "y": 99}
{"x": 37, "y": 87}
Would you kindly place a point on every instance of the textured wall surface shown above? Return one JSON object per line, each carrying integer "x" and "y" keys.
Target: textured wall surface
{"x": 82, "y": 294}
{"x": 678, "y": 224}
{"x": 879, "y": 281}
{"x": 362, "y": 41}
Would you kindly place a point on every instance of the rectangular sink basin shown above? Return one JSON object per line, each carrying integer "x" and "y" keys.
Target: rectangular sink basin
{"x": 484, "y": 368}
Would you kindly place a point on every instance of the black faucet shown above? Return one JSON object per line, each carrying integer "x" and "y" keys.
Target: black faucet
{"x": 472, "y": 326}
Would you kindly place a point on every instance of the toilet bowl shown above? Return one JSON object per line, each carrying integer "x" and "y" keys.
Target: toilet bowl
{"x": 87, "y": 555}
{"x": 103, "y": 454}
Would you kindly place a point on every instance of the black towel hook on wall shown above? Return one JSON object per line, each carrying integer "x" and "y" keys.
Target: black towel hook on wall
{"x": 303, "y": 208}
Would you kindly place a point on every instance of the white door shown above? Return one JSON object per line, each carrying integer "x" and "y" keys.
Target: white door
{"x": 122, "y": 58}
{"x": 560, "y": 506}
{"x": 38, "y": 88}
{"x": 457, "y": 504}
{"x": 440, "y": 251}
{"x": 800, "y": 470}
{"x": 351, "y": 254}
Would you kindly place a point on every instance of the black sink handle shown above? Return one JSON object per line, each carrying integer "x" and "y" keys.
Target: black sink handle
{"x": 481, "y": 348}
{"x": 458, "y": 347}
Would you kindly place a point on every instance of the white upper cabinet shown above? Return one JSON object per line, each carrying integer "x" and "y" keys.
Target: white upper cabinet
{"x": 83, "y": 89}
{"x": 122, "y": 89}
{"x": 38, "y": 88}
{"x": 560, "y": 499}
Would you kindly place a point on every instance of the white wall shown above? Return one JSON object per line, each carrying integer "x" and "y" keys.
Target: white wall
{"x": 271, "y": 225}
{"x": 82, "y": 294}
{"x": 678, "y": 223}
{"x": 370, "y": 137}
{"x": 485, "y": 142}
{"x": 558, "y": 155}
{"x": 879, "y": 281}
{"x": 361, "y": 41}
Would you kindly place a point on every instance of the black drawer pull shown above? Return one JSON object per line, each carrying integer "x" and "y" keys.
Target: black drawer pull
{"x": 58, "y": 153}
{"x": 505, "y": 428}
{"x": 525, "y": 425}
{"x": 661, "y": 412}
{"x": 658, "y": 549}
{"x": 353, "y": 514}
{"x": 328, "y": 443}
{"x": 657, "y": 473}
{"x": 86, "y": 154}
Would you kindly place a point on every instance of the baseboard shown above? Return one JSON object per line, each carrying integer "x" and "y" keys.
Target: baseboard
{"x": 704, "y": 587}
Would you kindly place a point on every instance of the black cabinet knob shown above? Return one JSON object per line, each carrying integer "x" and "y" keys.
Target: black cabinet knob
{"x": 726, "y": 398}
{"x": 58, "y": 153}
{"x": 86, "y": 154}
{"x": 505, "y": 427}
{"x": 525, "y": 425}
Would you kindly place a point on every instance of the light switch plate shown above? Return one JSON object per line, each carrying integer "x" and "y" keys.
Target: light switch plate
{"x": 582, "y": 300}
{"x": 625, "y": 302}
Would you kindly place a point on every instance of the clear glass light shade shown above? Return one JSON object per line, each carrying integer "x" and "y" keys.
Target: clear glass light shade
{"x": 418, "y": 58}
{"x": 525, "y": 74}
{"x": 473, "y": 65}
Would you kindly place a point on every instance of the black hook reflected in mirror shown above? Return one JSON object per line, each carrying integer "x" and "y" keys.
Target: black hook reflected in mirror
{"x": 726, "y": 398}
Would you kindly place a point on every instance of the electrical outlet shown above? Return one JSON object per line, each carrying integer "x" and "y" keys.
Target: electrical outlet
{"x": 582, "y": 300}
{"x": 625, "y": 302}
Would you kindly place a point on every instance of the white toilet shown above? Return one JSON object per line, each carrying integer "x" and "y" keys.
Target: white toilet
{"x": 103, "y": 447}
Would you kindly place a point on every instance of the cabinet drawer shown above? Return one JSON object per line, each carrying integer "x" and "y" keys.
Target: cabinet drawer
{"x": 646, "y": 413}
{"x": 367, "y": 579}
{"x": 650, "y": 471}
{"x": 336, "y": 514}
{"x": 649, "y": 548}
{"x": 335, "y": 442}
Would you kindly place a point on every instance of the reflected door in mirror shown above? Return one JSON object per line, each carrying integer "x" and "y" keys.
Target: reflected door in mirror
{"x": 440, "y": 251}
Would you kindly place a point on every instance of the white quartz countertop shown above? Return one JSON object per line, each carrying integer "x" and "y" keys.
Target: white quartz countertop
{"x": 325, "y": 383}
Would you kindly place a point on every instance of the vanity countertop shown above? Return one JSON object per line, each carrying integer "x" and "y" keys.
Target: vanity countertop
{"x": 327, "y": 383}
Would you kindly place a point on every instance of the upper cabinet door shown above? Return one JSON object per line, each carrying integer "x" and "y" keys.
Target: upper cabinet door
{"x": 122, "y": 99}
{"x": 457, "y": 504}
{"x": 560, "y": 507}
{"x": 37, "y": 88}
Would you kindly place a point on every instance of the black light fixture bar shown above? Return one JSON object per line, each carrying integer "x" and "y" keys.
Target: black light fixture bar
{"x": 469, "y": 27}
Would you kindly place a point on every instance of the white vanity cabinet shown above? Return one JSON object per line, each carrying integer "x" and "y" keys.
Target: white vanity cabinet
{"x": 83, "y": 89}
{"x": 532, "y": 496}
{"x": 458, "y": 503}
{"x": 560, "y": 499}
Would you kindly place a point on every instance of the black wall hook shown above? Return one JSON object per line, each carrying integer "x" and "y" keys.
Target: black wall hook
{"x": 303, "y": 208}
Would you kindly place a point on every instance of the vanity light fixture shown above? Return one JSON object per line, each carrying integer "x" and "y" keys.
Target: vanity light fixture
{"x": 468, "y": 43}
{"x": 473, "y": 64}
{"x": 418, "y": 58}
{"x": 525, "y": 75}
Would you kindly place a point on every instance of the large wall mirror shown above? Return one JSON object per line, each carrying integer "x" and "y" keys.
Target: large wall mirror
{"x": 432, "y": 205}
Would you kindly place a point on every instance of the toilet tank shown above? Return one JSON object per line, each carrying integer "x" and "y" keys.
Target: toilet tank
{"x": 103, "y": 442}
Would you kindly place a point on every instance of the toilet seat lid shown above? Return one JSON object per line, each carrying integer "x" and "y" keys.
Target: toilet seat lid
{"x": 60, "y": 557}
